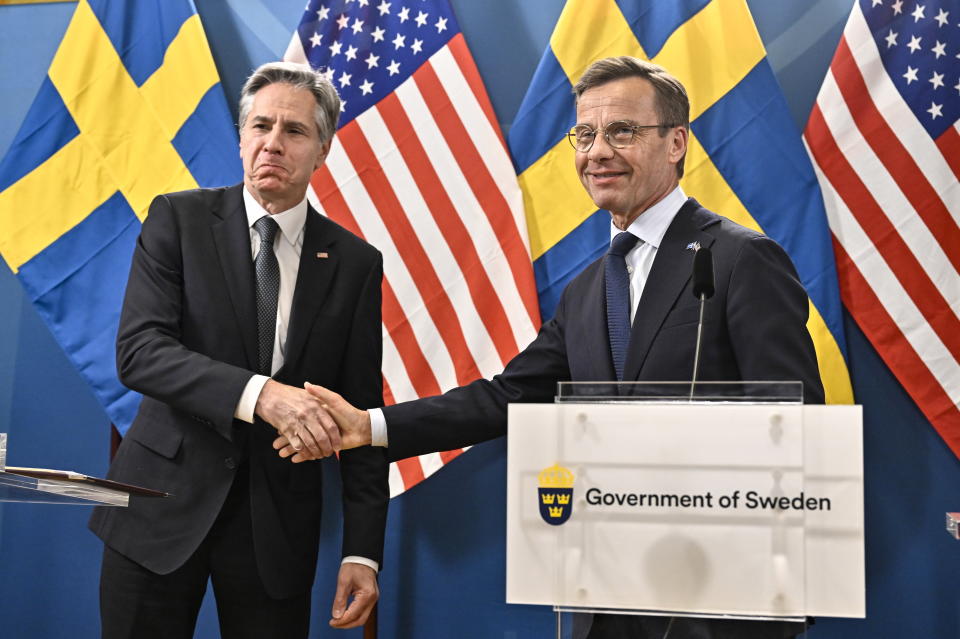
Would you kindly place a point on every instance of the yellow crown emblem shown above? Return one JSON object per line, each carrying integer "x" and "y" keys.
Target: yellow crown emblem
{"x": 556, "y": 511}
{"x": 555, "y": 476}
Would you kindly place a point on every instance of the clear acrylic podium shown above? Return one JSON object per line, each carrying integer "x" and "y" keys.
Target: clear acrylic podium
{"x": 680, "y": 503}
{"x": 48, "y": 490}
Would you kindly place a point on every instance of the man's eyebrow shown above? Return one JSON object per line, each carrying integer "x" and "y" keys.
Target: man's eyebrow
{"x": 619, "y": 120}
{"x": 258, "y": 119}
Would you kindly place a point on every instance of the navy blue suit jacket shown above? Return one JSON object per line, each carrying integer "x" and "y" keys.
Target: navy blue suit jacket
{"x": 754, "y": 330}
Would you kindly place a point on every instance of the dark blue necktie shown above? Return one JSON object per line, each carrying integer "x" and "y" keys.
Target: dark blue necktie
{"x": 268, "y": 291}
{"x": 616, "y": 284}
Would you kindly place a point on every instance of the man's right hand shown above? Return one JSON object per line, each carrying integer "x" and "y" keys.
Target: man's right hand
{"x": 300, "y": 419}
{"x": 354, "y": 423}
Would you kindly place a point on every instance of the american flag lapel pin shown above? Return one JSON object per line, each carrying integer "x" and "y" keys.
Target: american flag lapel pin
{"x": 693, "y": 246}
{"x": 322, "y": 255}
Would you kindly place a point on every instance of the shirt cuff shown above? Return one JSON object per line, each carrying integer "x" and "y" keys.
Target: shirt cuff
{"x": 378, "y": 428}
{"x": 248, "y": 400}
{"x": 370, "y": 563}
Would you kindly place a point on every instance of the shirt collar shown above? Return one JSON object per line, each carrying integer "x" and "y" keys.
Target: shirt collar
{"x": 291, "y": 221}
{"x": 651, "y": 225}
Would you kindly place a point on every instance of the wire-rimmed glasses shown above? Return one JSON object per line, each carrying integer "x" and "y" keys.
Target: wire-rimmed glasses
{"x": 619, "y": 134}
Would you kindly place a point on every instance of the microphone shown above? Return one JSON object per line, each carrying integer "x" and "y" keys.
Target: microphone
{"x": 703, "y": 289}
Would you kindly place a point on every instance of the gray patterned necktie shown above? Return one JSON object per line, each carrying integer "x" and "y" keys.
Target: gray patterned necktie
{"x": 268, "y": 290}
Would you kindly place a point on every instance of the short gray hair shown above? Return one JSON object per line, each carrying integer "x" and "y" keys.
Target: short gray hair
{"x": 299, "y": 76}
{"x": 671, "y": 103}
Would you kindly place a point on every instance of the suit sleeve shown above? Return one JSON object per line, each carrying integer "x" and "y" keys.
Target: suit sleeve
{"x": 364, "y": 471}
{"x": 478, "y": 411}
{"x": 151, "y": 359}
{"x": 767, "y": 312}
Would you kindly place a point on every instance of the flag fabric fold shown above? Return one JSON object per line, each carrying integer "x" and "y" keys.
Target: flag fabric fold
{"x": 884, "y": 135}
{"x": 745, "y": 158}
{"x": 131, "y": 107}
{"x": 419, "y": 169}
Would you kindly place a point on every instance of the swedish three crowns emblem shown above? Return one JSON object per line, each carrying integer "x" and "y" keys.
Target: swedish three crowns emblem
{"x": 555, "y": 494}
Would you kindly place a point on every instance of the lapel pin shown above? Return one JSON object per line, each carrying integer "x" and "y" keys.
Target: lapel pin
{"x": 323, "y": 255}
{"x": 693, "y": 246}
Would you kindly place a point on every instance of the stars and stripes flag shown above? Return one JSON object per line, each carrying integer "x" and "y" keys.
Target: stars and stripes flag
{"x": 419, "y": 169}
{"x": 885, "y": 139}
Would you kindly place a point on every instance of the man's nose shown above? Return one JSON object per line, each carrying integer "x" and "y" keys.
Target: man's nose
{"x": 601, "y": 148}
{"x": 273, "y": 142}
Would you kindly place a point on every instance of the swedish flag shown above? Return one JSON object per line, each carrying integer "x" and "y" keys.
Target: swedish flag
{"x": 745, "y": 158}
{"x": 131, "y": 107}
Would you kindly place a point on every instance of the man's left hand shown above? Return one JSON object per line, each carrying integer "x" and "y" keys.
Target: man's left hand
{"x": 360, "y": 582}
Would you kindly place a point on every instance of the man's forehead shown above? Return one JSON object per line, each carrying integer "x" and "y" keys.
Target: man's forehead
{"x": 285, "y": 96}
{"x": 587, "y": 102}
{"x": 627, "y": 96}
{"x": 612, "y": 108}
{"x": 278, "y": 100}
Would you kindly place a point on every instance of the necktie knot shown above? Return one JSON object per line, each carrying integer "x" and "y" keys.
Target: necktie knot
{"x": 267, "y": 227}
{"x": 622, "y": 243}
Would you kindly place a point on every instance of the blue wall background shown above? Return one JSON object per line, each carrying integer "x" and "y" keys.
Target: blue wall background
{"x": 444, "y": 572}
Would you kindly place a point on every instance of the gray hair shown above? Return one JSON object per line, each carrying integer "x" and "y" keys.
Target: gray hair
{"x": 671, "y": 103}
{"x": 299, "y": 76}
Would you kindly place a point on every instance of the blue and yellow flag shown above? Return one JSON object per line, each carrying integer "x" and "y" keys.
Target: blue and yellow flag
{"x": 745, "y": 158}
{"x": 131, "y": 107}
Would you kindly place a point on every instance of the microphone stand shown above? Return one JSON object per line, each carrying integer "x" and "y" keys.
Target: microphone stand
{"x": 696, "y": 353}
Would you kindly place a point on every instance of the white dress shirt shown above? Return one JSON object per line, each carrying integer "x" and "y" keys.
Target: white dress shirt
{"x": 287, "y": 245}
{"x": 650, "y": 226}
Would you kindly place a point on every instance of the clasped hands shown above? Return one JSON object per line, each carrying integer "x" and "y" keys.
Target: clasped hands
{"x": 312, "y": 422}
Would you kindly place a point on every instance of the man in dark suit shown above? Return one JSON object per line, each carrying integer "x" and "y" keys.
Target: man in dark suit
{"x": 629, "y": 316}
{"x": 236, "y": 297}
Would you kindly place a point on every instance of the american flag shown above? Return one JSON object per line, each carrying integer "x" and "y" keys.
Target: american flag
{"x": 885, "y": 139}
{"x": 419, "y": 169}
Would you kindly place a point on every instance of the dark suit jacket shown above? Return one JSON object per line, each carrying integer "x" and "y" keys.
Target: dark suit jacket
{"x": 187, "y": 341}
{"x": 754, "y": 329}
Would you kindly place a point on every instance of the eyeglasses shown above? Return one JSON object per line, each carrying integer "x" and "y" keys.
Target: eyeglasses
{"x": 619, "y": 135}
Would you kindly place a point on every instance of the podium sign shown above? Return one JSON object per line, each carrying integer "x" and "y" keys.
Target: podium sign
{"x": 748, "y": 510}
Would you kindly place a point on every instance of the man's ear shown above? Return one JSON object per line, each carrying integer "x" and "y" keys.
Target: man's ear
{"x": 322, "y": 156}
{"x": 678, "y": 144}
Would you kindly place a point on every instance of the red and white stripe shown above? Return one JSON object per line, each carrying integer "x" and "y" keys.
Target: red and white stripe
{"x": 893, "y": 201}
{"x": 425, "y": 177}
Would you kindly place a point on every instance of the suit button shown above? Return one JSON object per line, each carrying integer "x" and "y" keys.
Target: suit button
{"x": 230, "y": 463}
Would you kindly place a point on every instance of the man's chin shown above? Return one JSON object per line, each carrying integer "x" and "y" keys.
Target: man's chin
{"x": 268, "y": 184}
{"x": 603, "y": 200}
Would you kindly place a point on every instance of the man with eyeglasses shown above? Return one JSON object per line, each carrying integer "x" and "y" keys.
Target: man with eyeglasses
{"x": 630, "y": 315}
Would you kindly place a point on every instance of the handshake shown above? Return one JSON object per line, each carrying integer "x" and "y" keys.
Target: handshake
{"x": 312, "y": 422}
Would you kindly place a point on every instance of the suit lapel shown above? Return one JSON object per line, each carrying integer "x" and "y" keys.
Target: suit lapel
{"x": 318, "y": 264}
{"x": 231, "y": 236}
{"x": 668, "y": 276}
